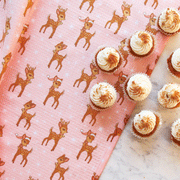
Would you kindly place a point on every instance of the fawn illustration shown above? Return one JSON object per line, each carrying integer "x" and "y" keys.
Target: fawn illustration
{"x": 7, "y": 58}
{"x": 152, "y": 21}
{"x": 25, "y": 115}
{"x": 1, "y": 130}
{"x": 2, "y": 163}
{"x": 21, "y": 82}
{"x": 126, "y": 10}
{"x": 1, "y": 173}
{"x": 154, "y": 3}
{"x": 117, "y": 132}
{"x": 63, "y": 128}
{"x": 90, "y": 136}
{"x": 126, "y": 119}
{"x": 87, "y": 78}
{"x": 58, "y": 169}
{"x": 123, "y": 52}
{"x": 25, "y": 140}
{"x": 22, "y": 39}
{"x": 92, "y": 112}
{"x": 91, "y": 4}
{"x": 31, "y": 178}
{"x": 121, "y": 79}
{"x": 59, "y": 58}
{"x": 148, "y": 70}
{"x": 88, "y": 23}
{"x": 7, "y": 28}
{"x": 95, "y": 177}
{"x": 29, "y": 5}
{"x": 61, "y": 14}
{"x": 4, "y": 4}
{"x": 52, "y": 93}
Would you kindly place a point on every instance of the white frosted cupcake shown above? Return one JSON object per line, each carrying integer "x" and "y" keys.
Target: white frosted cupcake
{"x": 169, "y": 21}
{"x": 145, "y": 124}
{"x": 103, "y": 95}
{"x": 138, "y": 87}
{"x": 169, "y": 96}
{"x": 108, "y": 59}
{"x": 141, "y": 44}
{"x": 175, "y": 132}
{"x": 174, "y": 63}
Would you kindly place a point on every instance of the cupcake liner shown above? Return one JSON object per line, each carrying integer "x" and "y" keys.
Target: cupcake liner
{"x": 163, "y": 32}
{"x": 158, "y": 115}
{"x": 171, "y": 69}
{"x": 125, "y": 85}
{"x": 171, "y": 138}
{"x": 142, "y": 56}
{"x": 111, "y": 72}
{"x": 99, "y": 108}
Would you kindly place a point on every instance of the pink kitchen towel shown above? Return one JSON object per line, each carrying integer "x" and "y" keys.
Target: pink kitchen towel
{"x": 48, "y": 128}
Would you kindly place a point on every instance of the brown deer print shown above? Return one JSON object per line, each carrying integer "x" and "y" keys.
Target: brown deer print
{"x": 126, "y": 10}
{"x": 91, "y": 4}
{"x": 154, "y": 3}
{"x": 61, "y": 14}
{"x": 126, "y": 119}
{"x": 4, "y": 4}
{"x": 7, "y": 28}
{"x": 52, "y": 93}
{"x": 87, "y": 78}
{"x": 2, "y": 163}
{"x": 123, "y": 52}
{"x": 29, "y": 5}
{"x": 25, "y": 115}
{"x": 92, "y": 112}
{"x": 31, "y": 178}
{"x": 1, "y": 130}
{"x": 152, "y": 22}
{"x": 22, "y": 39}
{"x": 63, "y": 128}
{"x": 95, "y": 177}
{"x": 148, "y": 69}
{"x": 25, "y": 140}
{"x": 1, "y": 173}
{"x": 90, "y": 136}
{"x": 21, "y": 82}
{"x": 88, "y": 23}
{"x": 121, "y": 79}
{"x": 59, "y": 58}
{"x": 7, "y": 58}
{"x": 117, "y": 132}
{"x": 58, "y": 169}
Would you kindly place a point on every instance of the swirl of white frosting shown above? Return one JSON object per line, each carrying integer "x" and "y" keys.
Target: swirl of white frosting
{"x": 108, "y": 58}
{"x": 103, "y": 95}
{"x": 175, "y": 60}
{"x": 144, "y": 122}
{"x": 175, "y": 130}
{"x": 139, "y": 87}
{"x": 169, "y": 95}
{"x": 169, "y": 20}
{"x": 141, "y": 42}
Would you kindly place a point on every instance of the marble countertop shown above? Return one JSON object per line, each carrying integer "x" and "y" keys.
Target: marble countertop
{"x": 156, "y": 158}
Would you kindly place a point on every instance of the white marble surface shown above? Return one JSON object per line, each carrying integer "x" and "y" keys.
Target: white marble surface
{"x": 155, "y": 158}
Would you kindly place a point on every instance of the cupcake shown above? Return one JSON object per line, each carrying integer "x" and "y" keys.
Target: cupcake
{"x": 145, "y": 124}
{"x": 175, "y": 132}
{"x": 108, "y": 59}
{"x": 138, "y": 87}
{"x": 169, "y": 95}
{"x": 169, "y": 21}
{"x": 103, "y": 95}
{"x": 174, "y": 63}
{"x": 141, "y": 44}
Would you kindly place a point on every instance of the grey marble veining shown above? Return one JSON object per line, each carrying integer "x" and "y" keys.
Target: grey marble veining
{"x": 155, "y": 158}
